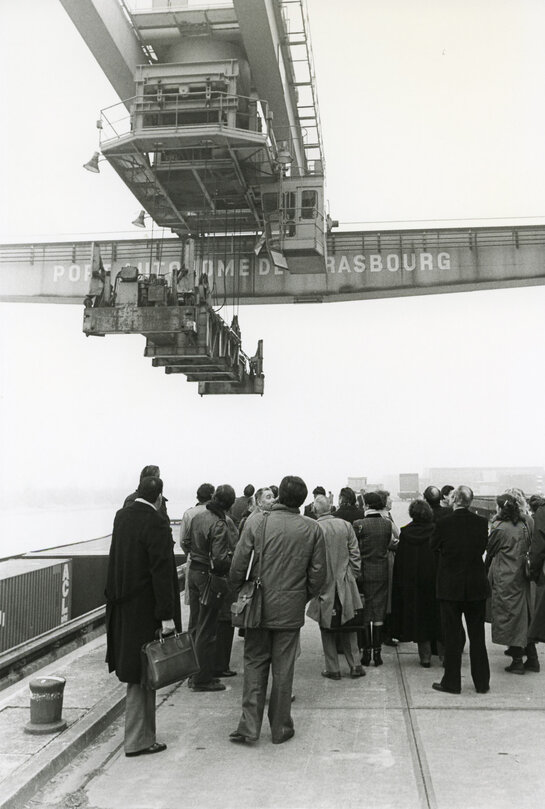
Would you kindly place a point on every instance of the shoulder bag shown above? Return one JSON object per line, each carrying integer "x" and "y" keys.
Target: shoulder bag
{"x": 246, "y": 610}
{"x": 167, "y": 660}
{"x": 214, "y": 589}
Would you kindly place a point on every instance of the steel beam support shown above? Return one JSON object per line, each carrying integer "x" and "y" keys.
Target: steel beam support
{"x": 111, "y": 39}
{"x": 263, "y": 43}
{"x": 361, "y": 265}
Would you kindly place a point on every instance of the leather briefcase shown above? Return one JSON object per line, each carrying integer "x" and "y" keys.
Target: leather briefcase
{"x": 170, "y": 659}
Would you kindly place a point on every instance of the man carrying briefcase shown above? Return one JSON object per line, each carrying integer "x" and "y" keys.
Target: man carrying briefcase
{"x": 142, "y": 597}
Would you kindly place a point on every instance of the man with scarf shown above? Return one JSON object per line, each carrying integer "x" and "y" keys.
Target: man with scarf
{"x": 211, "y": 551}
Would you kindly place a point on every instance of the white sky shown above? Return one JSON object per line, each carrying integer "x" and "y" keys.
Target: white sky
{"x": 430, "y": 111}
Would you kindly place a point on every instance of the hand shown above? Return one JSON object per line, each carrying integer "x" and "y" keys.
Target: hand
{"x": 168, "y": 627}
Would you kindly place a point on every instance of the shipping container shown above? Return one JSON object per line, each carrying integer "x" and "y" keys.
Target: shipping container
{"x": 409, "y": 485}
{"x": 35, "y": 596}
{"x": 89, "y": 569}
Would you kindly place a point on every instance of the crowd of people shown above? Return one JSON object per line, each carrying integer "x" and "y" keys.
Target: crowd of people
{"x": 365, "y": 582}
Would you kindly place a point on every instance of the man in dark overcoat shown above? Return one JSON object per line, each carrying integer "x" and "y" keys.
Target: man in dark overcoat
{"x": 290, "y": 559}
{"x": 149, "y": 471}
{"x": 142, "y": 597}
{"x": 462, "y": 589}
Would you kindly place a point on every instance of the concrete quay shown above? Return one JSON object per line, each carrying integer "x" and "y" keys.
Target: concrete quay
{"x": 386, "y": 740}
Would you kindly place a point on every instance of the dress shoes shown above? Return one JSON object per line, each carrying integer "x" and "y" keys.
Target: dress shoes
{"x": 226, "y": 673}
{"x": 157, "y": 747}
{"x": 483, "y": 690}
{"x": 357, "y": 671}
{"x": 332, "y": 675}
{"x": 532, "y": 664}
{"x": 213, "y": 685}
{"x": 240, "y": 738}
{"x": 441, "y": 687}
{"x": 426, "y": 664}
{"x": 286, "y": 736}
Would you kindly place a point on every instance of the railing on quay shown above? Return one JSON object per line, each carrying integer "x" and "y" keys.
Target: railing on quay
{"x": 31, "y": 655}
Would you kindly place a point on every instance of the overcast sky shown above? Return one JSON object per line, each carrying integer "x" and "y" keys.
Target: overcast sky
{"x": 431, "y": 111}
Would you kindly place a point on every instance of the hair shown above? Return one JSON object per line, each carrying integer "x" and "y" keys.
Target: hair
{"x": 446, "y": 490}
{"x": 535, "y": 501}
{"x": 347, "y": 496}
{"x": 293, "y": 491}
{"x": 205, "y": 492}
{"x": 432, "y": 495}
{"x": 322, "y": 505}
{"x": 384, "y": 495}
{"x": 509, "y": 510}
{"x": 249, "y": 490}
{"x": 420, "y": 512}
{"x": 224, "y": 496}
{"x": 274, "y": 489}
{"x": 318, "y": 490}
{"x": 520, "y": 497}
{"x": 463, "y": 496}
{"x": 373, "y": 500}
{"x": 149, "y": 472}
{"x": 150, "y": 488}
{"x": 260, "y": 492}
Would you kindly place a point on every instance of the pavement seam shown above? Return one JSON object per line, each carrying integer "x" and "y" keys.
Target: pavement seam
{"x": 21, "y": 785}
{"x": 422, "y": 771}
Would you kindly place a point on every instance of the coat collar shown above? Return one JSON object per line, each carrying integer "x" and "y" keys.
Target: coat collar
{"x": 282, "y": 507}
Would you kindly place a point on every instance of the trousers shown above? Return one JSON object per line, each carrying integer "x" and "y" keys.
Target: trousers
{"x": 139, "y": 718}
{"x": 268, "y": 650}
{"x": 349, "y": 643}
{"x": 203, "y": 625}
{"x": 451, "y": 618}
{"x": 224, "y": 643}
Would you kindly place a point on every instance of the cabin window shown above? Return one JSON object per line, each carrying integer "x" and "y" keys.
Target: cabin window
{"x": 289, "y": 213}
{"x": 309, "y": 201}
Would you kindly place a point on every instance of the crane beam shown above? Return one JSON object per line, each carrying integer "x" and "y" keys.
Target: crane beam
{"x": 360, "y": 265}
{"x": 111, "y": 39}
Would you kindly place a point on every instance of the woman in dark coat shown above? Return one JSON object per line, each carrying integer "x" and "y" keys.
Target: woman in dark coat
{"x": 415, "y": 609}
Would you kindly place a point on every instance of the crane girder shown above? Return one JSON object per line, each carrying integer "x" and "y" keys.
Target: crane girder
{"x": 111, "y": 39}
{"x": 360, "y": 265}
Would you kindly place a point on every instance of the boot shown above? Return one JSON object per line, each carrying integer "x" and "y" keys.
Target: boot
{"x": 424, "y": 652}
{"x": 377, "y": 645}
{"x": 516, "y": 666}
{"x": 367, "y": 646}
{"x": 531, "y": 663}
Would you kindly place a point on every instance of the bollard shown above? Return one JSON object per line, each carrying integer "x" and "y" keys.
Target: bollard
{"x": 46, "y": 705}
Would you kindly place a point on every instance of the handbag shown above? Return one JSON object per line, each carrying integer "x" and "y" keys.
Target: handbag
{"x": 336, "y": 618}
{"x": 167, "y": 660}
{"x": 246, "y": 610}
{"x": 214, "y": 590}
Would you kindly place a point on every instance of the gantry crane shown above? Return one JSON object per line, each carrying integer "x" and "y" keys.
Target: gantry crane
{"x": 218, "y": 137}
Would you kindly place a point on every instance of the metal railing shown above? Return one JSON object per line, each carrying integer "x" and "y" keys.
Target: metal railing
{"x": 141, "y": 113}
{"x": 16, "y": 662}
